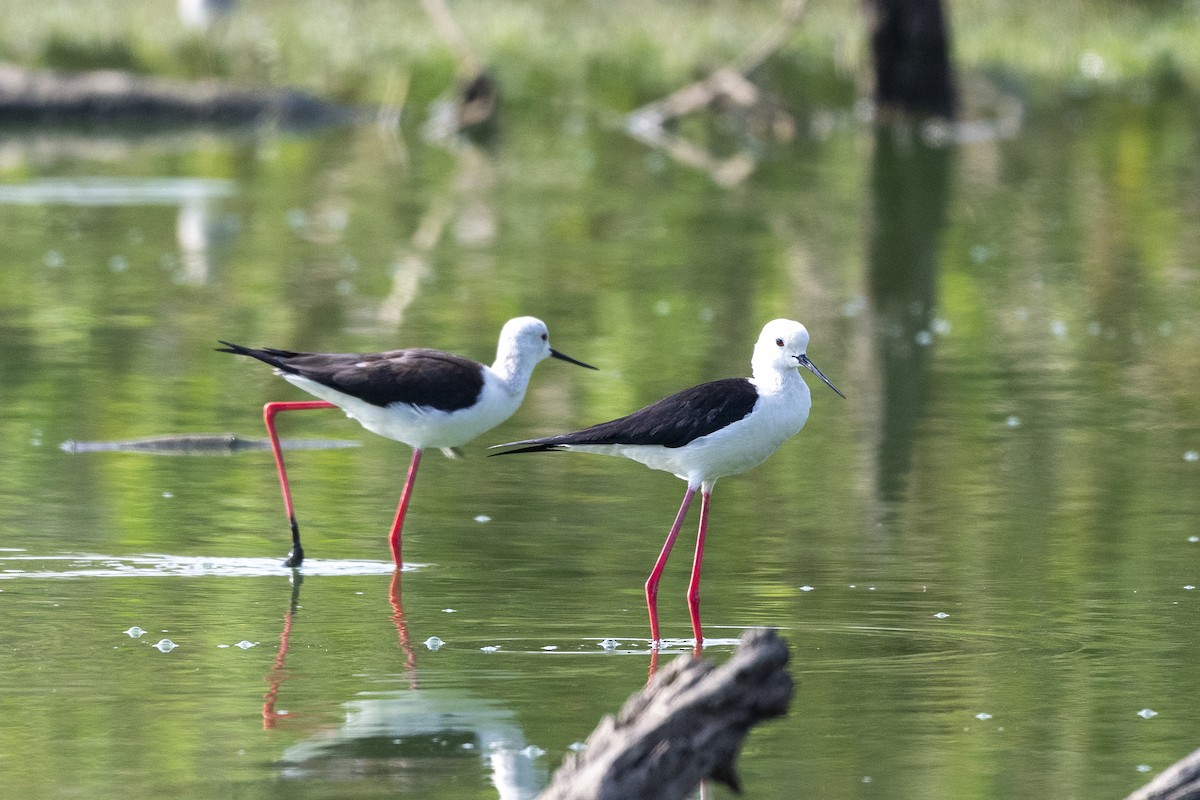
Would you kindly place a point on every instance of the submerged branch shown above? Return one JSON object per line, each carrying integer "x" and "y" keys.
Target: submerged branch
{"x": 200, "y": 444}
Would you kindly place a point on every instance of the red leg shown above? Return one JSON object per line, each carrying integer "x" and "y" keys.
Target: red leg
{"x": 693, "y": 595}
{"x": 402, "y": 509}
{"x": 656, "y": 573}
{"x": 269, "y": 411}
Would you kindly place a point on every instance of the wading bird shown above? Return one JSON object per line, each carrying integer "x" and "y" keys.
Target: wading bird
{"x": 720, "y": 428}
{"x": 423, "y": 398}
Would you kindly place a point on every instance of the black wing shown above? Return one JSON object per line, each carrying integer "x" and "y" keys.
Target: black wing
{"x": 671, "y": 422}
{"x": 417, "y": 376}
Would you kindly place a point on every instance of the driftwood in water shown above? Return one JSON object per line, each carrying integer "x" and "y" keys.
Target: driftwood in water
{"x": 685, "y": 727}
{"x": 1180, "y": 781}
{"x": 200, "y": 444}
{"x": 113, "y": 96}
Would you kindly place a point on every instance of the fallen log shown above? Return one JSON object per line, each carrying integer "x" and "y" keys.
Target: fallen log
{"x": 685, "y": 727}
{"x": 113, "y": 96}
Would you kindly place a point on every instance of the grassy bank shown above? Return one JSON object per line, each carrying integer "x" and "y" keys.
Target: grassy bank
{"x": 618, "y": 53}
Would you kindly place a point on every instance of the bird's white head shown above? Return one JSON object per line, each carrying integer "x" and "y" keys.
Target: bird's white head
{"x": 782, "y": 348}
{"x": 525, "y": 342}
{"x": 524, "y": 339}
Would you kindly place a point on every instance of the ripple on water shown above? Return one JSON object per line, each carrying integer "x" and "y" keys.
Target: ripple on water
{"x": 154, "y": 565}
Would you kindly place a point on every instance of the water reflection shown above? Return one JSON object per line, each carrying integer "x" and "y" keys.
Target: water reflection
{"x": 202, "y": 227}
{"x": 416, "y": 736}
{"x": 910, "y": 194}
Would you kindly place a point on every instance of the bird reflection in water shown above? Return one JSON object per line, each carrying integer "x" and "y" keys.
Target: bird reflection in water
{"x": 418, "y": 737}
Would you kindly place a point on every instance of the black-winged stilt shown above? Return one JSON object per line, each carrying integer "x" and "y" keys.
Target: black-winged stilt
{"x": 423, "y": 398}
{"x": 720, "y": 428}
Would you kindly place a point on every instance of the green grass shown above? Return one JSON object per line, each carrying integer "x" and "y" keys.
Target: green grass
{"x": 615, "y": 53}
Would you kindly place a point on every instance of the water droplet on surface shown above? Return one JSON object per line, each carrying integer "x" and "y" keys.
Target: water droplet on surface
{"x": 450, "y": 610}
{"x": 165, "y": 645}
{"x": 941, "y": 615}
{"x": 1143, "y": 767}
{"x": 168, "y": 495}
{"x": 490, "y": 648}
{"x": 1194, "y": 539}
{"x": 576, "y": 746}
{"x": 550, "y": 647}
{"x": 806, "y": 588}
{"x": 1189, "y": 587}
{"x": 1191, "y": 455}
{"x": 1058, "y": 328}
{"x": 923, "y": 338}
{"x": 135, "y": 632}
{"x": 983, "y": 715}
{"x": 245, "y": 645}
{"x": 433, "y": 643}
{"x": 1013, "y": 421}
{"x": 118, "y": 263}
{"x": 866, "y": 778}
{"x": 533, "y": 751}
{"x": 610, "y": 644}
{"x": 483, "y": 518}
{"x": 467, "y": 745}
{"x": 1147, "y": 713}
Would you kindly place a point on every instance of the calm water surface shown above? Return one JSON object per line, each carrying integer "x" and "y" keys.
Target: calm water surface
{"x": 983, "y": 560}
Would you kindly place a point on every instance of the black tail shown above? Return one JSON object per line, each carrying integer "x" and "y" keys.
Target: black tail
{"x": 267, "y": 355}
{"x": 529, "y": 446}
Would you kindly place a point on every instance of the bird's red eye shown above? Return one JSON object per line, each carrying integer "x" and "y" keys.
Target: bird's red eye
{"x": 779, "y": 342}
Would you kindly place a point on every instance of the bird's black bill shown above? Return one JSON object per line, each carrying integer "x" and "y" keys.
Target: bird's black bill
{"x": 811, "y": 367}
{"x": 555, "y": 354}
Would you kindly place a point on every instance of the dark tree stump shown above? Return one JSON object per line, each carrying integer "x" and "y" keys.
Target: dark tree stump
{"x": 686, "y": 726}
{"x": 911, "y": 50}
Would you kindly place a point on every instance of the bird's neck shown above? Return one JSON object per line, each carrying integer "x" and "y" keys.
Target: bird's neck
{"x": 776, "y": 381}
{"x": 513, "y": 372}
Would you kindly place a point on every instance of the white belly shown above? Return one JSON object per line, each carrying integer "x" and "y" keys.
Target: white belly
{"x": 420, "y": 426}
{"x": 730, "y": 451}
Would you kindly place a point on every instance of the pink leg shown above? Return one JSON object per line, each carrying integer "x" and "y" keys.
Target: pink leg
{"x": 269, "y": 411}
{"x": 402, "y": 509}
{"x": 693, "y": 595}
{"x": 656, "y": 573}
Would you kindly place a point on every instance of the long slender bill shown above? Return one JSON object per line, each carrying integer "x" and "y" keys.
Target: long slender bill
{"x": 555, "y": 354}
{"x": 811, "y": 367}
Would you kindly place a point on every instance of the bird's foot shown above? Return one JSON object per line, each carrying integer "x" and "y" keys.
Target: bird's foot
{"x": 295, "y": 558}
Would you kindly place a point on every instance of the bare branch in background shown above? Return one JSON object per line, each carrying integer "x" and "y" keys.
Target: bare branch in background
{"x": 728, "y": 85}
